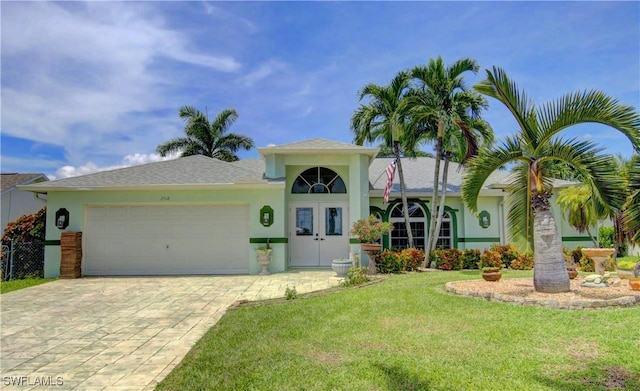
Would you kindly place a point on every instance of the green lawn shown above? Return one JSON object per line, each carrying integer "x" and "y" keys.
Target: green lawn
{"x": 406, "y": 333}
{"x": 8, "y": 286}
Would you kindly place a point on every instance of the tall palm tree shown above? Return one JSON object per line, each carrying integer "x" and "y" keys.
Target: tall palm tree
{"x": 208, "y": 138}
{"x": 442, "y": 108}
{"x": 538, "y": 142}
{"x": 383, "y": 119}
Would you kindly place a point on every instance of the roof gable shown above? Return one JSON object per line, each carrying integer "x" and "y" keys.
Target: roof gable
{"x": 9, "y": 181}
{"x": 317, "y": 145}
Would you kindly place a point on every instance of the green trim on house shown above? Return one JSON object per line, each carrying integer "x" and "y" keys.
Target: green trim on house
{"x": 354, "y": 241}
{"x": 51, "y": 242}
{"x": 478, "y": 240}
{"x": 271, "y": 240}
{"x": 576, "y": 239}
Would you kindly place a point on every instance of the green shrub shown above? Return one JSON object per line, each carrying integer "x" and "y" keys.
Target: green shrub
{"x": 389, "y": 262}
{"x": 523, "y": 262}
{"x": 490, "y": 258}
{"x": 607, "y": 237}
{"x": 291, "y": 293}
{"x": 412, "y": 258}
{"x": 507, "y": 252}
{"x": 448, "y": 259}
{"x": 470, "y": 258}
{"x": 587, "y": 264}
{"x": 627, "y": 264}
{"x": 27, "y": 228}
{"x": 356, "y": 276}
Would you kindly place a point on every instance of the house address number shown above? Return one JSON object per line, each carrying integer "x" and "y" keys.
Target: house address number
{"x": 165, "y": 198}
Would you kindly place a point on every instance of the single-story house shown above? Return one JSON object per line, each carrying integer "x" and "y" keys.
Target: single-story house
{"x": 197, "y": 215}
{"x": 17, "y": 202}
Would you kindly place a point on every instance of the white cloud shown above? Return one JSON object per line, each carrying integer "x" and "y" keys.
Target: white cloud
{"x": 90, "y": 167}
{"x": 265, "y": 70}
{"x": 86, "y": 76}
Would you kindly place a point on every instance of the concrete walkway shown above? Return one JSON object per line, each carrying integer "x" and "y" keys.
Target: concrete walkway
{"x": 121, "y": 333}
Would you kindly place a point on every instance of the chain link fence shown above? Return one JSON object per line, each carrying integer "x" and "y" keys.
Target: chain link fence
{"x": 22, "y": 260}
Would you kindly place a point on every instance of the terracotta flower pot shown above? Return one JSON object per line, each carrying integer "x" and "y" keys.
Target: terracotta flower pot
{"x": 634, "y": 283}
{"x": 573, "y": 273}
{"x": 491, "y": 275}
{"x": 371, "y": 247}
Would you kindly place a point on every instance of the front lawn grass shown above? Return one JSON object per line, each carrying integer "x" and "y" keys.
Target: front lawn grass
{"x": 14, "y": 285}
{"x": 407, "y": 333}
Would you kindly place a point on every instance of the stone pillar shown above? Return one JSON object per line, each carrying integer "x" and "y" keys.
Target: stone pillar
{"x": 71, "y": 259}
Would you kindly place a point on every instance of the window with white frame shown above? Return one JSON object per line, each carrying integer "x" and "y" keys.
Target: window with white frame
{"x": 399, "y": 236}
{"x": 445, "y": 238}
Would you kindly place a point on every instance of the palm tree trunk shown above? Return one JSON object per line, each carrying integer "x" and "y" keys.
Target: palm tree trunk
{"x": 445, "y": 175}
{"x": 434, "y": 197}
{"x": 593, "y": 238}
{"x": 403, "y": 195}
{"x": 549, "y": 271}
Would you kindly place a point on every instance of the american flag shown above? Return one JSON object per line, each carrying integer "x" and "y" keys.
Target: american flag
{"x": 391, "y": 171}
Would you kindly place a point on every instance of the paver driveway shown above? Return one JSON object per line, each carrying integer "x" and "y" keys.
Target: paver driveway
{"x": 121, "y": 333}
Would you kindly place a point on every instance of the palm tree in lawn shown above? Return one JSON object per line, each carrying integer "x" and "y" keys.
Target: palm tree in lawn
{"x": 536, "y": 143}
{"x": 384, "y": 119}
{"x": 442, "y": 108}
{"x": 208, "y": 138}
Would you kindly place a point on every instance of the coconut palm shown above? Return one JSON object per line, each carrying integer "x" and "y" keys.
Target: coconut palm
{"x": 537, "y": 142}
{"x": 383, "y": 119}
{"x": 442, "y": 108}
{"x": 208, "y": 138}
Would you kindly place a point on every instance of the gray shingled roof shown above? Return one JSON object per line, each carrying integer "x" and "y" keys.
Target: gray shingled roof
{"x": 8, "y": 181}
{"x": 318, "y": 145}
{"x": 418, "y": 176}
{"x": 191, "y": 170}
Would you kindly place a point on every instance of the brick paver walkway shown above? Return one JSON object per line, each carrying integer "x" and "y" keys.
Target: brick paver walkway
{"x": 121, "y": 333}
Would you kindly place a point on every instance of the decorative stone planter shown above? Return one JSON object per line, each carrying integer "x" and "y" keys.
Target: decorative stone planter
{"x": 625, "y": 273}
{"x": 264, "y": 259}
{"x": 599, "y": 256}
{"x": 373, "y": 250}
{"x": 341, "y": 266}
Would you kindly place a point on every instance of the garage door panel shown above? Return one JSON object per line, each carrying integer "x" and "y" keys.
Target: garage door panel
{"x": 150, "y": 240}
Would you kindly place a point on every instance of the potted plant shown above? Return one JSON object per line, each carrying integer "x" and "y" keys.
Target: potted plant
{"x": 370, "y": 231}
{"x": 625, "y": 269}
{"x": 571, "y": 266}
{"x": 263, "y": 255}
{"x": 491, "y": 264}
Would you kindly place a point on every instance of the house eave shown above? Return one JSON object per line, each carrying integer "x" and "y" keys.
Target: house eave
{"x": 249, "y": 185}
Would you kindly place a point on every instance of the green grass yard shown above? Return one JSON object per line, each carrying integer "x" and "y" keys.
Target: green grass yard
{"x": 407, "y": 333}
{"x": 9, "y": 286}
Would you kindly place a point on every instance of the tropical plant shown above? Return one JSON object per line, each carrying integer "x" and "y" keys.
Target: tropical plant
{"x": 27, "y": 228}
{"x": 491, "y": 258}
{"x": 443, "y": 109}
{"x": 631, "y": 214}
{"x": 371, "y": 229}
{"x": 383, "y": 119}
{"x": 529, "y": 215}
{"x": 208, "y": 138}
{"x": 575, "y": 202}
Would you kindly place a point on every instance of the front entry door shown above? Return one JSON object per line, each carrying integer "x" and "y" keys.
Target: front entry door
{"x": 318, "y": 233}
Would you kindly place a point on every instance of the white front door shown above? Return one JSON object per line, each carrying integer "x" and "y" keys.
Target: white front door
{"x": 318, "y": 234}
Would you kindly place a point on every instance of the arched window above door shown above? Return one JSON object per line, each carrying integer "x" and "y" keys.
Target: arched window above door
{"x": 318, "y": 180}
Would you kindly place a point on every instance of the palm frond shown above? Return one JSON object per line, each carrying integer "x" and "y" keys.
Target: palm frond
{"x": 171, "y": 146}
{"x": 589, "y": 107}
{"x": 485, "y": 163}
{"x": 519, "y": 212}
{"x": 631, "y": 214}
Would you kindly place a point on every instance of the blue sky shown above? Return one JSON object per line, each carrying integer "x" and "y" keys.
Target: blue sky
{"x": 97, "y": 85}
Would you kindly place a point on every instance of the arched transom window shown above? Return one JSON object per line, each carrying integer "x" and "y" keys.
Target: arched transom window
{"x": 318, "y": 180}
{"x": 399, "y": 236}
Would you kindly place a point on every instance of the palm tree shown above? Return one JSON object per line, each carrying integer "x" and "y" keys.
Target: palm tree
{"x": 536, "y": 143}
{"x": 207, "y": 138}
{"x": 383, "y": 119}
{"x": 442, "y": 108}
{"x": 575, "y": 201}
{"x": 631, "y": 214}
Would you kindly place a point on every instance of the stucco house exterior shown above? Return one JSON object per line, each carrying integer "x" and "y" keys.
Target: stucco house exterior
{"x": 197, "y": 215}
{"x": 17, "y": 202}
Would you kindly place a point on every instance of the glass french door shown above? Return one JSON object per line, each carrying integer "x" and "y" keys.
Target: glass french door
{"x": 318, "y": 233}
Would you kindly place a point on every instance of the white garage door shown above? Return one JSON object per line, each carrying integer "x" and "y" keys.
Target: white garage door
{"x": 165, "y": 240}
